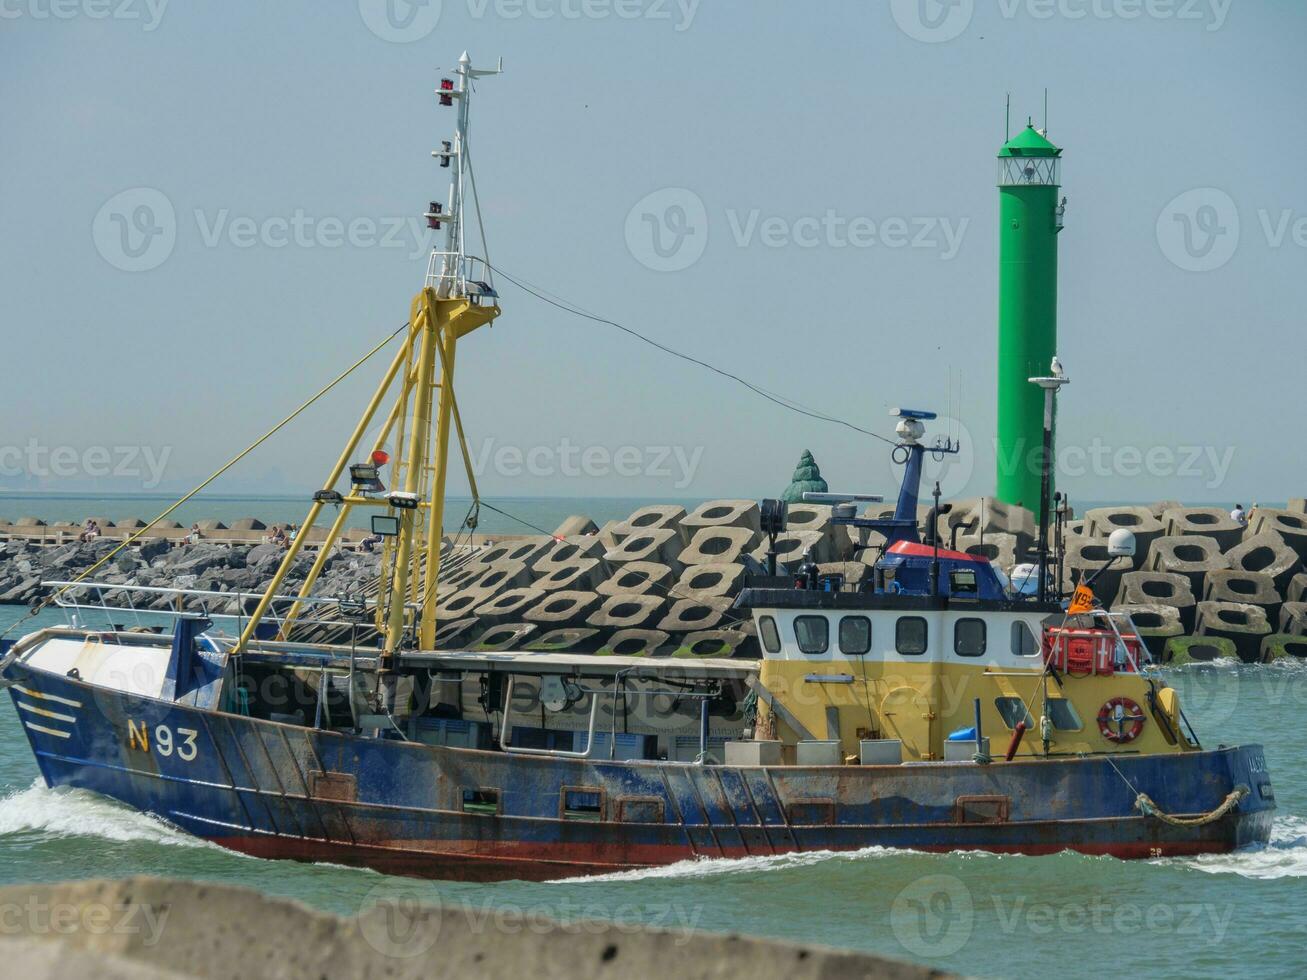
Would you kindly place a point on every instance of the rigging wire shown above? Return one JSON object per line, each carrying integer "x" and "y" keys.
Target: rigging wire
{"x": 780, "y": 400}
{"x": 136, "y": 536}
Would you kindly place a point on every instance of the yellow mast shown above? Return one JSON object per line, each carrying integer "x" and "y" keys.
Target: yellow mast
{"x": 456, "y": 300}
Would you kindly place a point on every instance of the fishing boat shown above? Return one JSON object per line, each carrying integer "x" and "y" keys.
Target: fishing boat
{"x": 934, "y": 706}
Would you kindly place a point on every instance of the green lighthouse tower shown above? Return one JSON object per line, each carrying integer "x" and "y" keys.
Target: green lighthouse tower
{"x": 1030, "y": 218}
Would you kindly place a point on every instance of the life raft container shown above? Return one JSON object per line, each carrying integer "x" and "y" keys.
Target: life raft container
{"x": 1088, "y": 652}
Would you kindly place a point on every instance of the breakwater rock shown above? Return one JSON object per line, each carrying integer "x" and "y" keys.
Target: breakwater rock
{"x": 663, "y": 580}
{"x": 146, "y": 928}
{"x": 157, "y": 563}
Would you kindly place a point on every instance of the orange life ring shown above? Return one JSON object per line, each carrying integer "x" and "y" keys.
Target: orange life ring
{"x": 1124, "y": 727}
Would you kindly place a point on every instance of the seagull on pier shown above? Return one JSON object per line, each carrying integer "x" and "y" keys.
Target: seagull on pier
{"x": 1057, "y": 369}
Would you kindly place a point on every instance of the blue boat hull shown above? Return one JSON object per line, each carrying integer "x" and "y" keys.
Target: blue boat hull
{"x": 282, "y": 791}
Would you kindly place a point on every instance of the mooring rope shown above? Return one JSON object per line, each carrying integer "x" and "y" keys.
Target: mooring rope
{"x": 1145, "y": 805}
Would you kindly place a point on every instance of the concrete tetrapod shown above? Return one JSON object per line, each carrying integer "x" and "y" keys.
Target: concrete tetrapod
{"x": 576, "y": 526}
{"x": 637, "y": 578}
{"x": 1293, "y": 618}
{"x": 1156, "y": 623}
{"x": 1159, "y": 588}
{"x": 1182, "y": 650}
{"x": 1193, "y": 557}
{"x": 1204, "y": 522}
{"x": 1283, "y": 646}
{"x": 583, "y": 573}
{"x": 635, "y": 611}
{"x": 713, "y": 545}
{"x": 649, "y": 518}
{"x": 662, "y": 545}
{"x": 569, "y": 640}
{"x": 792, "y": 546}
{"x": 1289, "y": 525}
{"x": 693, "y": 615}
{"x": 1254, "y": 588}
{"x": 1266, "y": 553}
{"x": 635, "y": 643}
{"x": 712, "y": 643}
{"x": 723, "y": 513}
{"x": 722, "y": 579}
{"x": 976, "y": 516}
{"x": 563, "y": 607}
{"x": 509, "y": 636}
{"x": 1240, "y": 623}
{"x": 508, "y": 606}
{"x": 1297, "y": 590}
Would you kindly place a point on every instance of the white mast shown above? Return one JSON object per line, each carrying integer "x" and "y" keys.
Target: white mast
{"x": 451, "y": 279}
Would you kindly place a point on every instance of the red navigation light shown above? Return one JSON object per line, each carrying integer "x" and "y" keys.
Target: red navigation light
{"x": 446, "y": 91}
{"x": 380, "y": 457}
{"x": 433, "y": 215}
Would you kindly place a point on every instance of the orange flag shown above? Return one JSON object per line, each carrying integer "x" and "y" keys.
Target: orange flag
{"x": 1082, "y": 600}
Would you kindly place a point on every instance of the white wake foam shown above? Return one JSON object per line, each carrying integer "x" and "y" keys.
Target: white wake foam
{"x": 1285, "y": 856}
{"x": 707, "y": 867}
{"x": 78, "y": 813}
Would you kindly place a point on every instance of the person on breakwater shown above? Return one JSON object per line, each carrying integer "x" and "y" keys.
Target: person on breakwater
{"x": 90, "y": 532}
{"x": 1239, "y": 516}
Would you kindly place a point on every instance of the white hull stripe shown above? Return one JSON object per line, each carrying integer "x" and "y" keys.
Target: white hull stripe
{"x": 47, "y": 697}
{"x": 48, "y": 714}
{"x": 48, "y": 731}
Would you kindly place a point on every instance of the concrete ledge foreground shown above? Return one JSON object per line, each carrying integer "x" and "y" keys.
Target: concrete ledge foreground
{"x": 148, "y": 928}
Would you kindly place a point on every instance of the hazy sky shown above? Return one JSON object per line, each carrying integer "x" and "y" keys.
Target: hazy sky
{"x": 207, "y": 212}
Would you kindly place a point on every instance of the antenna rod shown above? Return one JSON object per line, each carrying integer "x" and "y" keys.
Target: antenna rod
{"x": 1007, "y": 123}
{"x": 1046, "y": 111}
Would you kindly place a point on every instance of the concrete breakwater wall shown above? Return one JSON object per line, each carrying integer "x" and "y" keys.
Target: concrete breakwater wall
{"x": 662, "y": 581}
{"x": 146, "y": 928}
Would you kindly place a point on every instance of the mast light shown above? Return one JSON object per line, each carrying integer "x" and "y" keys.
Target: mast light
{"x": 402, "y": 500}
{"x": 446, "y": 91}
{"x": 435, "y": 215}
{"x": 364, "y": 476}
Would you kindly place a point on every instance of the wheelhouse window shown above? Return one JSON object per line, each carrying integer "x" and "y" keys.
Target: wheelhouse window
{"x": 910, "y": 636}
{"x": 813, "y": 634}
{"x": 1013, "y": 711}
{"x": 771, "y": 637}
{"x": 1024, "y": 643}
{"x": 855, "y": 636}
{"x": 963, "y": 583}
{"x": 1062, "y": 713}
{"x": 969, "y": 637}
